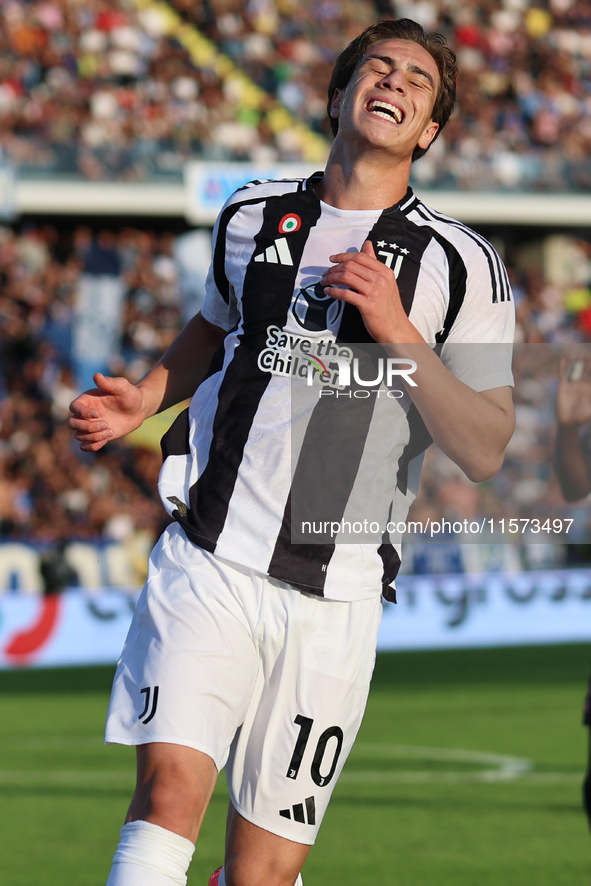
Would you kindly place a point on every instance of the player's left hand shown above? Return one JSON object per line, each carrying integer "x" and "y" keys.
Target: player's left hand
{"x": 365, "y": 282}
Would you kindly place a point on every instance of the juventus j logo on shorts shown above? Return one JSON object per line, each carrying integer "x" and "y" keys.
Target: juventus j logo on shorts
{"x": 150, "y": 704}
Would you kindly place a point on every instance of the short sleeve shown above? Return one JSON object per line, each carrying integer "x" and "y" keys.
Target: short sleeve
{"x": 479, "y": 347}
{"x": 221, "y": 310}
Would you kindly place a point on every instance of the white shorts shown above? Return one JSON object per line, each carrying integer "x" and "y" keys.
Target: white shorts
{"x": 264, "y": 679}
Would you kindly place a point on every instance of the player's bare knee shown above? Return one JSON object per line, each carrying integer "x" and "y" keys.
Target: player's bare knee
{"x": 174, "y": 785}
{"x": 238, "y": 874}
{"x": 176, "y": 804}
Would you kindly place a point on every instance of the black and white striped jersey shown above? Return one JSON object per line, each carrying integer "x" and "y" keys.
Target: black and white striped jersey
{"x": 233, "y": 460}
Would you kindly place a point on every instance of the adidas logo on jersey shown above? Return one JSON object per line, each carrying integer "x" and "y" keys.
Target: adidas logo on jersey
{"x": 278, "y": 254}
{"x": 303, "y": 815}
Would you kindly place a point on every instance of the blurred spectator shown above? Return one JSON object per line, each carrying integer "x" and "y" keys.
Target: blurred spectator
{"x": 57, "y": 574}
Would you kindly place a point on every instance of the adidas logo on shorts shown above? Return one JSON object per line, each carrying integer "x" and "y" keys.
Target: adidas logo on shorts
{"x": 304, "y": 812}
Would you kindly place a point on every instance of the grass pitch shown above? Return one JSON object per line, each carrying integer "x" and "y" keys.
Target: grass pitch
{"x": 467, "y": 772}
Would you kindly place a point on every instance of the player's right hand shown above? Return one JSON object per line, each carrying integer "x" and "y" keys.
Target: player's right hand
{"x": 110, "y": 411}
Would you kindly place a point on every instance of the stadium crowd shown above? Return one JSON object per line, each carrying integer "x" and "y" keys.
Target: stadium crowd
{"x": 107, "y": 89}
{"x": 48, "y": 489}
{"x": 100, "y": 90}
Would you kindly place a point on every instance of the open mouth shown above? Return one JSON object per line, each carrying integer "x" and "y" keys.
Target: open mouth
{"x": 386, "y": 111}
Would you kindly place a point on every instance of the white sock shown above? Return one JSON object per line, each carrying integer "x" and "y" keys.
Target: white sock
{"x": 148, "y": 855}
{"x": 222, "y": 879}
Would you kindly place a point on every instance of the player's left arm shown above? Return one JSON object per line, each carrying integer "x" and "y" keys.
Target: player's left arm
{"x": 472, "y": 427}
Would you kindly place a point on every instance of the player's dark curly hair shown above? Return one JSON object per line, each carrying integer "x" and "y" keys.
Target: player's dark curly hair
{"x": 400, "y": 29}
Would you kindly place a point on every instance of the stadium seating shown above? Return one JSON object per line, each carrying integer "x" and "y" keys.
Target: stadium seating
{"x": 132, "y": 90}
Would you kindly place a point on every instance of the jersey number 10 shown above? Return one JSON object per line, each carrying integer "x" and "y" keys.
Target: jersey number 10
{"x": 305, "y": 724}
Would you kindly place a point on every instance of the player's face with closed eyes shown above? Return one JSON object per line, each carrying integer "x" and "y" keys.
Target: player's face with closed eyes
{"x": 389, "y": 100}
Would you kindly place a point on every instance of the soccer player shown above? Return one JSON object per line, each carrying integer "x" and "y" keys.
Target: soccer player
{"x": 247, "y": 650}
{"x": 572, "y": 463}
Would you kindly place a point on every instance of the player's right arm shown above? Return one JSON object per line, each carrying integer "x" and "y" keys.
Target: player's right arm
{"x": 475, "y": 426}
{"x": 116, "y": 406}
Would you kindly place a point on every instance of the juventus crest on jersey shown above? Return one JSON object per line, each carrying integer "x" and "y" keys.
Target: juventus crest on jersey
{"x": 245, "y": 448}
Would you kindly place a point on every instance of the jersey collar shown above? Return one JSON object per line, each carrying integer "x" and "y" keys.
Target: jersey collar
{"x": 404, "y": 205}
